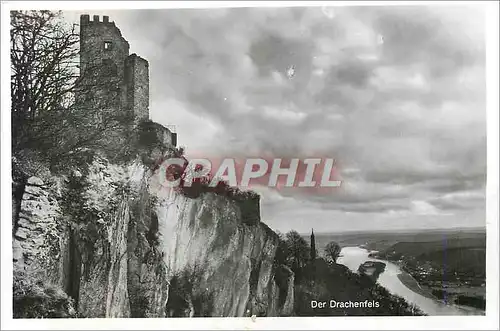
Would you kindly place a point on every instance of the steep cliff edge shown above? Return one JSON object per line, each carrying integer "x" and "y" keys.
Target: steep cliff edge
{"x": 232, "y": 262}
{"x": 123, "y": 246}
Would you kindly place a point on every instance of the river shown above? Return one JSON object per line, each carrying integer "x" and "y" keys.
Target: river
{"x": 352, "y": 257}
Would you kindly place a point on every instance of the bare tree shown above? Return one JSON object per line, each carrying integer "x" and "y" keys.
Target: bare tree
{"x": 52, "y": 129}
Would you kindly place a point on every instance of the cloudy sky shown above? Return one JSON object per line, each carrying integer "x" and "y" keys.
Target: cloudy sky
{"x": 395, "y": 94}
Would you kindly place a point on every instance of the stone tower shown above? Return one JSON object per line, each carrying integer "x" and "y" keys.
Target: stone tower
{"x": 116, "y": 80}
{"x": 112, "y": 79}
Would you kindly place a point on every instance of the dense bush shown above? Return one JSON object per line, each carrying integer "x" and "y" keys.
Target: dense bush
{"x": 147, "y": 135}
{"x": 202, "y": 185}
{"x": 34, "y": 298}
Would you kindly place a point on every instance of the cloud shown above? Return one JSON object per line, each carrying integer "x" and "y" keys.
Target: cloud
{"x": 423, "y": 208}
{"x": 472, "y": 199}
{"x": 396, "y": 94}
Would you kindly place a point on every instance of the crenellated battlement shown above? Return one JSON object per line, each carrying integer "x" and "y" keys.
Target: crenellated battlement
{"x": 85, "y": 19}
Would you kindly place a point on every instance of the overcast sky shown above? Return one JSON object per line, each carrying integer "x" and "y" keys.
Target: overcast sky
{"x": 395, "y": 94}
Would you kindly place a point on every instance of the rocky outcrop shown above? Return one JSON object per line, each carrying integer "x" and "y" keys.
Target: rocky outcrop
{"x": 123, "y": 246}
{"x": 124, "y": 275}
{"x": 40, "y": 237}
{"x": 34, "y": 299}
{"x": 235, "y": 260}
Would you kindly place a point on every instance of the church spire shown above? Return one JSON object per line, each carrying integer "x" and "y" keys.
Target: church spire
{"x": 313, "y": 246}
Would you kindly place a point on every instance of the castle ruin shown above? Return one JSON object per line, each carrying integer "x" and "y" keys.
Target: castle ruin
{"x": 114, "y": 79}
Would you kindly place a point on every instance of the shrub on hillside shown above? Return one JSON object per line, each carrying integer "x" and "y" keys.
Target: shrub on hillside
{"x": 202, "y": 185}
{"x": 34, "y": 298}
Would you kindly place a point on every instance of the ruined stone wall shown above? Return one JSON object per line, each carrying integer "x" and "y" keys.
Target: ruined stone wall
{"x": 250, "y": 209}
{"x": 166, "y": 136}
{"x": 137, "y": 85}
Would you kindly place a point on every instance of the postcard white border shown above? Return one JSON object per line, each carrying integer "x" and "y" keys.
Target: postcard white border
{"x": 490, "y": 321}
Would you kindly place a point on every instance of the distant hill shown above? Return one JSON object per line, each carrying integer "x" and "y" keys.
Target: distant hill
{"x": 460, "y": 257}
{"x": 382, "y": 240}
{"x": 403, "y": 231}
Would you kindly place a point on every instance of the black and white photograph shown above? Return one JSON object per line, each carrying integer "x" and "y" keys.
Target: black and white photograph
{"x": 192, "y": 163}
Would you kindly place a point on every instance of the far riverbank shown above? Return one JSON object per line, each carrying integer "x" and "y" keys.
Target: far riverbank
{"x": 400, "y": 283}
{"x": 413, "y": 285}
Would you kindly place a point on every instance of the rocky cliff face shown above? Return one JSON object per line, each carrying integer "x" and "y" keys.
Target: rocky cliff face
{"x": 232, "y": 262}
{"x": 123, "y": 246}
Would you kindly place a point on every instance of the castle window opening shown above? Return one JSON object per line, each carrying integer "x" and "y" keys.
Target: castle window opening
{"x": 107, "y": 45}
